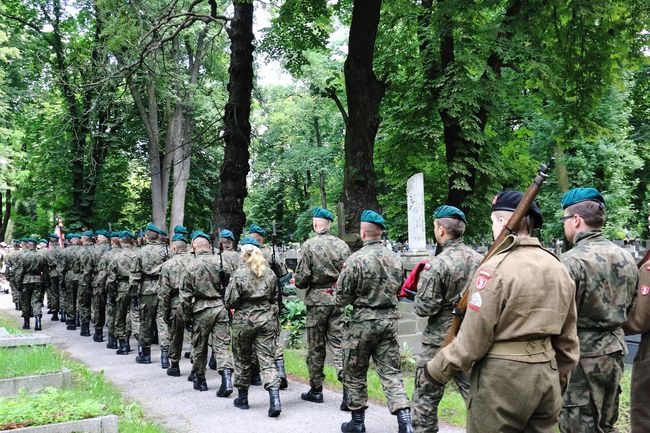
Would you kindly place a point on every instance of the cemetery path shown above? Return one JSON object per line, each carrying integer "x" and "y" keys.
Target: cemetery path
{"x": 172, "y": 403}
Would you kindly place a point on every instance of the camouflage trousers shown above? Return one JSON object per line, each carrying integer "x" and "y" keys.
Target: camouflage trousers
{"x": 427, "y": 396}
{"x": 640, "y": 397}
{"x": 151, "y": 318}
{"x": 15, "y": 294}
{"x": 376, "y": 339}
{"x": 84, "y": 302}
{"x": 53, "y": 293}
{"x": 591, "y": 400}
{"x": 257, "y": 340}
{"x": 512, "y": 396}
{"x": 99, "y": 304}
{"x": 324, "y": 326}
{"x": 71, "y": 288}
{"x": 212, "y": 321}
{"x": 31, "y": 299}
{"x": 122, "y": 307}
{"x": 176, "y": 331}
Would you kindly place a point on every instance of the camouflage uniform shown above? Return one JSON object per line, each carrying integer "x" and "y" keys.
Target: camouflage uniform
{"x": 54, "y": 262}
{"x": 519, "y": 338}
{"x": 145, "y": 275}
{"x": 606, "y": 283}
{"x": 12, "y": 259}
{"x": 203, "y": 306}
{"x": 439, "y": 287}
{"x": 119, "y": 289}
{"x": 87, "y": 257}
{"x": 171, "y": 274}
{"x": 321, "y": 260}
{"x": 254, "y": 325}
{"x": 369, "y": 281}
{"x": 638, "y": 322}
{"x": 72, "y": 275}
{"x": 30, "y": 271}
{"x": 103, "y": 311}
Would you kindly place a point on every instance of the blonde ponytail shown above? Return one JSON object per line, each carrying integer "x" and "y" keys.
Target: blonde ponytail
{"x": 254, "y": 259}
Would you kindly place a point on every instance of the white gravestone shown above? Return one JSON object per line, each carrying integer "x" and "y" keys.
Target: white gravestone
{"x": 415, "y": 208}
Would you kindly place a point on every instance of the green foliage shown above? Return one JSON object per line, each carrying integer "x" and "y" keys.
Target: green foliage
{"x": 28, "y": 361}
{"x": 294, "y": 320}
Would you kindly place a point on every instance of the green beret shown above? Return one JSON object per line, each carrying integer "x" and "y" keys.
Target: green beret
{"x": 508, "y": 201}
{"x": 43, "y": 241}
{"x": 250, "y": 241}
{"x": 446, "y": 211}
{"x": 53, "y": 236}
{"x": 102, "y": 232}
{"x": 180, "y": 230}
{"x": 30, "y": 240}
{"x": 75, "y": 236}
{"x": 154, "y": 228}
{"x": 16, "y": 242}
{"x": 200, "y": 234}
{"x": 125, "y": 234}
{"x": 254, "y": 228}
{"x": 226, "y": 234}
{"x": 370, "y": 216}
{"x": 115, "y": 234}
{"x": 179, "y": 237}
{"x": 577, "y": 195}
{"x": 88, "y": 233}
{"x": 319, "y": 212}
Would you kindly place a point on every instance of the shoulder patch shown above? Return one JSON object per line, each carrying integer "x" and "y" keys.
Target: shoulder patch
{"x": 475, "y": 301}
{"x": 485, "y": 273}
{"x": 481, "y": 282}
{"x": 647, "y": 268}
{"x": 427, "y": 266}
{"x": 645, "y": 290}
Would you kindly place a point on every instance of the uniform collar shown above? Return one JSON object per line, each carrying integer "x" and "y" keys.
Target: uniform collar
{"x": 374, "y": 241}
{"x": 587, "y": 235}
{"x": 323, "y": 232}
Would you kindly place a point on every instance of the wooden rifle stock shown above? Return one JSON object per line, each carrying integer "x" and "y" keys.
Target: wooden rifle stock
{"x": 502, "y": 242}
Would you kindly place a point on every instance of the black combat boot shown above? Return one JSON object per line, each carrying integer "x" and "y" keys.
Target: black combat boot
{"x": 128, "y": 342}
{"x": 174, "y": 370}
{"x": 274, "y": 403}
{"x": 85, "y": 330}
{"x": 70, "y": 326}
{"x": 112, "y": 342}
{"x": 191, "y": 377}
{"x": 344, "y": 401}
{"x": 77, "y": 320}
{"x": 199, "y": 383}
{"x": 283, "y": 375}
{"x": 17, "y": 306}
{"x": 122, "y": 349}
{"x": 226, "y": 383}
{"x": 26, "y": 323}
{"x": 55, "y": 316}
{"x": 37, "y": 323}
{"x": 314, "y": 395}
{"x": 256, "y": 378}
{"x": 62, "y": 316}
{"x": 404, "y": 421}
{"x": 356, "y": 424}
{"x": 164, "y": 358}
{"x": 212, "y": 363}
{"x": 98, "y": 336}
{"x": 186, "y": 355}
{"x": 145, "y": 356}
{"x": 242, "y": 399}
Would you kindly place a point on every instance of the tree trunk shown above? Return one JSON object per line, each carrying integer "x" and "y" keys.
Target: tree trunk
{"x": 321, "y": 174}
{"x": 4, "y": 215}
{"x": 364, "y": 94}
{"x": 229, "y": 207}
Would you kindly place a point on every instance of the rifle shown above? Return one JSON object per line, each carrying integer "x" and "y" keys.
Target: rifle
{"x": 110, "y": 236}
{"x": 646, "y": 257}
{"x": 503, "y": 241}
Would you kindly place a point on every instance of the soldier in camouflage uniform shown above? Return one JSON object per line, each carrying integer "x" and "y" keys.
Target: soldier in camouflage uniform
{"x": 72, "y": 274}
{"x": 145, "y": 282}
{"x": 205, "y": 314}
{"x": 440, "y": 284}
{"x": 118, "y": 289}
{"x": 53, "y": 257}
{"x": 319, "y": 266}
{"x": 103, "y": 307}
{"x": 171, "y": 274}
{"x": 87, "y": 259}
{"x": 638, "y": 322}
{"x": 606, "y": 282}
{"x": 518, "y": 334}
{"x": 278, "y": 266}
{"x": 11, "y": 261}
{"x": 253, "y": 292}
{"x": 30, "y": 271}
{"x": 370, "y": 281}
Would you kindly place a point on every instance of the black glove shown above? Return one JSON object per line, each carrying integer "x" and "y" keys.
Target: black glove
{"x": 188, "y": 327}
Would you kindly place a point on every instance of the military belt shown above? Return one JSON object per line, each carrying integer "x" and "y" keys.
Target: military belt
{"x": 257, "y": 302}
{"x": 322, "y": 286}
{"x": 149, "y": 277}
{"x": 521, "y": 348}
{"x": 603, "y": 329}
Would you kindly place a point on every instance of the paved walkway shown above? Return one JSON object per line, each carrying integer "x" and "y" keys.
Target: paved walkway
{"x": 172, "y": 402}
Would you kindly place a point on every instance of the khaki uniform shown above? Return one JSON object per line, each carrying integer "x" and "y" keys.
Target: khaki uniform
{"x": 370, "y": 281}
{"x": 606, "y": 278}
{"x": 321, "y": 260}
{"x": 254, "y": 325}
{"x": 638, "y": 322}
{"x": 519, "y": 334}
{"x": 439, "y": 286}
{"x": 202, "y": 305}
{"x": 171, "y": 281}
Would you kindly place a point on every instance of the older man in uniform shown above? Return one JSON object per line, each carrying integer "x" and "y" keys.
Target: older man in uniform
{"x": 606, "y": 279}
{"x": 519, "y": 332}
{"x": 369, "y": 281}
{"x": 171, "y": 274}
{"x": 439, "y": 286}
{"x": 205, "y": 314}
{"x": 638, "y": 322}
{"x": 145, "y": 282}
{"x": 319, "y": 266}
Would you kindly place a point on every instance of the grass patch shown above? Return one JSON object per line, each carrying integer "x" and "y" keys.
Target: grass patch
{"x": 451, "y": 409}
{"x": 11, "y": 325}
{"x": 29, "y": 361}
{"x": 623, "y": 423}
